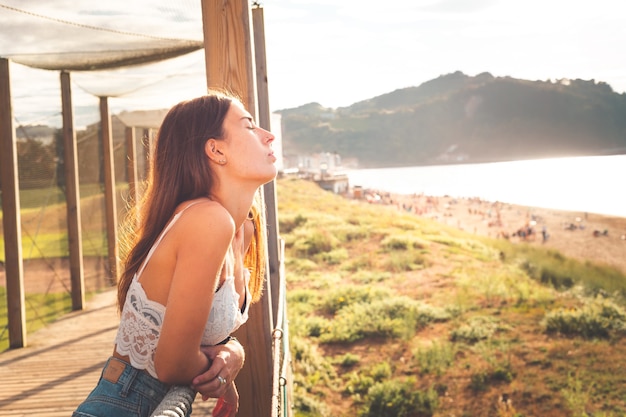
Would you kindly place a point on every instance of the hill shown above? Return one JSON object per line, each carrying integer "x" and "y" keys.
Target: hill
{"x": 391, "y": 314}
{"x": 462, "y": 119}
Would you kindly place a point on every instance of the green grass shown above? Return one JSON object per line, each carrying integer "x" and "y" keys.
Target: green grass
{"x": 553, "y": 268}
{"x": 44, "y": 236}
{"x": 41, "y": 309}
{"x": 393, "y": 314}
{"x": 44, "y": 225}
{"x": 55, "y": 245}
{"x": 41, "y": 197}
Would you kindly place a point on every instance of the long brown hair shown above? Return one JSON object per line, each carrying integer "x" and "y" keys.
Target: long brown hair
{"x": 255, "y": 258}
{"x": 179, "y": 171}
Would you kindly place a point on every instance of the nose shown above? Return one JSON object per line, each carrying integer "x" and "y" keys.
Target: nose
{"x": 269, "y": 136}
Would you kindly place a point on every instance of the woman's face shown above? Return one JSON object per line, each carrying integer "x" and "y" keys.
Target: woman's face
{"x": 248, "y": 149}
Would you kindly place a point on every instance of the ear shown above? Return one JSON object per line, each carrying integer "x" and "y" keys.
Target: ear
{"x": 213, "y": 149}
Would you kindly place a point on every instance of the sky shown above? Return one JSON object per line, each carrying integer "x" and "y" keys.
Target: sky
{"x": 331, "y": 52}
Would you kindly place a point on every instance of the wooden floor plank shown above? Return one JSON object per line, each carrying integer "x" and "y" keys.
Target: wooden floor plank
{"x": 62, "y": 363}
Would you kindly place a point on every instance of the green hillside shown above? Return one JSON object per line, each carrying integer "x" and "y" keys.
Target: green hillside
{"x": 461, "y": 119}
{"x": 395, "y": 315}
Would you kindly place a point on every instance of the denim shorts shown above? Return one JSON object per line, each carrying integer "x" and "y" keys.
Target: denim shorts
{"x": 123, "y": 391}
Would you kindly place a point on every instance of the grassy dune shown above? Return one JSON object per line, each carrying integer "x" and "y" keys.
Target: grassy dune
{"x": 391, "y": 314}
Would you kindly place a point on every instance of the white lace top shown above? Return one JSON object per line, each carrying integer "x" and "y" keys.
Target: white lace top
{"x": 142, "y": 319}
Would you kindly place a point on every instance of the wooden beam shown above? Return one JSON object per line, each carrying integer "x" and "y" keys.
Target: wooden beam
{"x": 11, "y": 219}
{"x": 269, "y": 189}
{"x": 229, "y": 49}
{"x": 230, "y": 66}
{"x": 72, "y": 197}
{"x": 132, "y": 171}
{"x": 260, "y": 61}
{"x": 275, "y": 247}
{"x": 147, "y": 149}
{"x": 110, "y": 196}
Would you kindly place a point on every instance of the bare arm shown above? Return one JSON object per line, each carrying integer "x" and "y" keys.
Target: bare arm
{"x": 203, "y": 237}
{"x": 227, "y": 359}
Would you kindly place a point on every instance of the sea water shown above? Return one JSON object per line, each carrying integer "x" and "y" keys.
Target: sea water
{"x": 594, "y": 184}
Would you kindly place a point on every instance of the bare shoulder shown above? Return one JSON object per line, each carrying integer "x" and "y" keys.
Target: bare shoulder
{"x": 205, "y": 218}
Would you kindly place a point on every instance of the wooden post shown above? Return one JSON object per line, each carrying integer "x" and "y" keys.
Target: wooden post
{"x": 280, "y": 406}
{"x": 131, "y": 166}
{"x": 11, "y": 219}
{"x": 147, "y": 148}
{"x": 228, "y": 48}
{"x": 72, "y": 197}
{"x": 269, "y": 189}
{"x": 110, "y": 199}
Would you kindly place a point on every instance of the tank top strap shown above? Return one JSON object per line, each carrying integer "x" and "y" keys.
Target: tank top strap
{"x": 160, "y": 238}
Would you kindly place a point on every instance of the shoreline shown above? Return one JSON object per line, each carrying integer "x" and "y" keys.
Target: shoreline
{"x": 588, "y": 236}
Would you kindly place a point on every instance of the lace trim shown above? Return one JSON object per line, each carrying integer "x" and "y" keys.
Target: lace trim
{"x": 142, "y": 319}
{"x": 140, "y": 328}
{"x": 225, "y": 316}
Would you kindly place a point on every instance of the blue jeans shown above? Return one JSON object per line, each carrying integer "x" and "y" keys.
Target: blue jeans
{"x": 123, "y": 391}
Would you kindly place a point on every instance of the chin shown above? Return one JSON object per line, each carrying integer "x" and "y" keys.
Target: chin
{"x": 271, "y": 175}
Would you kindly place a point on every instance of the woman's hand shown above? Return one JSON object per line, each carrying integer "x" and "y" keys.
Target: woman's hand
{"x": 226, "y": 362}
{"x": 228, "y": 404}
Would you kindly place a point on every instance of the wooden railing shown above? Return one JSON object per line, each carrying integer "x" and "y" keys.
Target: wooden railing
{"x": 281, "y": 366}
{"x": 179, "y": 399}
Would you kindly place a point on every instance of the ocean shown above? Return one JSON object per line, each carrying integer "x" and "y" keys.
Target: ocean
{"x": 594, "y": 184}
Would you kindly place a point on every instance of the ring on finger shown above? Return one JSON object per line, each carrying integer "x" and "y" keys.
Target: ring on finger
{"x": 221, "y": 379}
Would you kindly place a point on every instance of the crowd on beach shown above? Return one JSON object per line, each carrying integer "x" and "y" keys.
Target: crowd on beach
{"x": 496, "y": 219}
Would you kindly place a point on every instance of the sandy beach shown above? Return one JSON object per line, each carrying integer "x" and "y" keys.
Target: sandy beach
{"x": 580, "y": 235}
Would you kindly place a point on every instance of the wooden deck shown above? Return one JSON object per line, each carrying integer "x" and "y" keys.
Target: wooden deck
{"x": 62, "y": 363}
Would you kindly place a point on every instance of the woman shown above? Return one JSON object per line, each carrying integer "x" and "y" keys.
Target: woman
{"x": 188, "y": 260}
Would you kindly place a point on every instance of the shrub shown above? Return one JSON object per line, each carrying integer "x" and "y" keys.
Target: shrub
{"x": 555, "y": 277}
{"x": 551, "y": 267}
{"x": 364, "y": 276}
{"x": 401, "y": 242}
{"x": 309, "y": 243}
{"x": 435, "y": 358}
{"x": 358, "y": 384}
{"x": 349, "y": 360}
{"x": 351, "y": 294}
{"x": 315, "y": 326}
{"x": 478, "y": 328}
{"x": 364, "y": 262}
{"x": 311, "y": 369}
{"x": 381, "y": 371}
{"x": 349, "y": 232}
{"x": 382, "y": 318}
{"x": 302, "y": 296}
{"x": 576, "y": 395}
{"x": 481, "y": 381}
{"x": 597, "y": 319}
{"x": 288, "y": 224}
{"x": 404, "y": 261}
{"x": 307, "y": 405}
{"x": 395, "y": 398}
{"x": 299, "y": 266}
{"x": 333, "y": 257}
